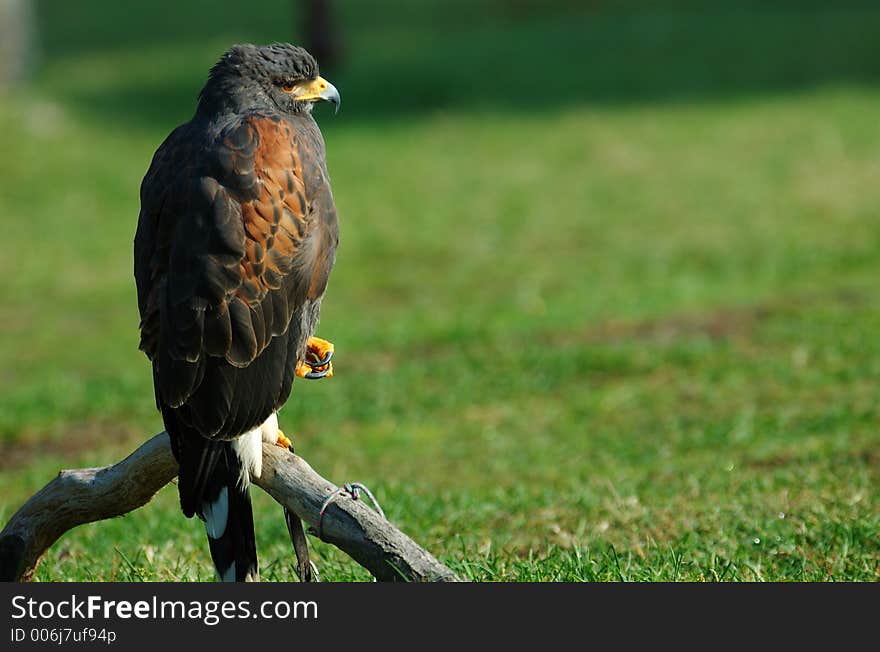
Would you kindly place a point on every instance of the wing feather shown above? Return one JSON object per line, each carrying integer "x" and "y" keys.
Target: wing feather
{"x": 236, "y": 238}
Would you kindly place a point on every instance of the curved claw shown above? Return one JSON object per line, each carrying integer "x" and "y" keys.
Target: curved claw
{"x": 321, "y": 363}
{"x": 314, "y": 375}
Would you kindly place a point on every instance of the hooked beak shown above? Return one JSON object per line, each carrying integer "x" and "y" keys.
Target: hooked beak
{"x": 316, "y": 90}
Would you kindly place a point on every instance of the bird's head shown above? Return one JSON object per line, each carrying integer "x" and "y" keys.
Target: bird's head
{"x": 280, "y": 76}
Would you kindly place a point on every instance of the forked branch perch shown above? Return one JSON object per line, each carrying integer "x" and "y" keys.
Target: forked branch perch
{"x": 81, "y": 496}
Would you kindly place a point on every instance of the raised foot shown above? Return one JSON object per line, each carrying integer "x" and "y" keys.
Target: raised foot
{"x": 317, "y": 362}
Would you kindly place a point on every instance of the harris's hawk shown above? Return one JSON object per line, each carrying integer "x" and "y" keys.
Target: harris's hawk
{"x": 236, "y": 237}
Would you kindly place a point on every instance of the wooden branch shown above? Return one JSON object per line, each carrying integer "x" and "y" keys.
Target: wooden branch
{"x": 82, "y": 496}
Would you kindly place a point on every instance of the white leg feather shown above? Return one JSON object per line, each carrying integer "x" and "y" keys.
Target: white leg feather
{"x": 270, "y": 428}
{"x": 249, "y": 448}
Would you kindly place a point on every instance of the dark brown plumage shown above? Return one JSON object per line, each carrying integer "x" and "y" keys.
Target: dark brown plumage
{"x": 236, "y": 238}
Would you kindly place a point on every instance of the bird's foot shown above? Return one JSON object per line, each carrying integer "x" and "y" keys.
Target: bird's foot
{"x": 283, "y": 441}
{"x": 317, "y": 360}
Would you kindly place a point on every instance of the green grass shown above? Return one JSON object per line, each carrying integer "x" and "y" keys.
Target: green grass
{"x": 616, "y": 325}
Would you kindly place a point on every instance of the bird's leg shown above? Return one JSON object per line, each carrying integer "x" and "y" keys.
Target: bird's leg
{"x": 304, "y": 566}
{"x": 317, "y": 360}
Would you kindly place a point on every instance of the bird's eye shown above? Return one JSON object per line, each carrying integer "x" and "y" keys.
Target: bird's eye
{"x": 287, "y": 86}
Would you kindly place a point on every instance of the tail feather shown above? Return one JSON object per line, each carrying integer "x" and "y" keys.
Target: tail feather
{"x": 213, "y": 485}
{"x": 229, "y": 523}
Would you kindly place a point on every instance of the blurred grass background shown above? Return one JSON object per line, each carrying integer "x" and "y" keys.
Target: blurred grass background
{"x": 605, "y": 302}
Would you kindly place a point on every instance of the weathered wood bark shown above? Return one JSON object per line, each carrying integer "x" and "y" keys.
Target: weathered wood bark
{"x": 81, "y": 496}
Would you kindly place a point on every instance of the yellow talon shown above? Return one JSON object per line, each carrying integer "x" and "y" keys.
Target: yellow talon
{"x": 318, "y": 350}
{"x": 283, "y": 441}
{"x": 320, "y": 347}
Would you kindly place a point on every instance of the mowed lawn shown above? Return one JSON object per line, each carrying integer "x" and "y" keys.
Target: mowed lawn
{"x": 603, "y": 310}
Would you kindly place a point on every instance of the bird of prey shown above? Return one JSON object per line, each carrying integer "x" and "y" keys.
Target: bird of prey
{"x": 236, "y": 237}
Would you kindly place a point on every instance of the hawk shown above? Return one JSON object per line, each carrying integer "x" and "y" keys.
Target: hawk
{"x": 236, "y": 237}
